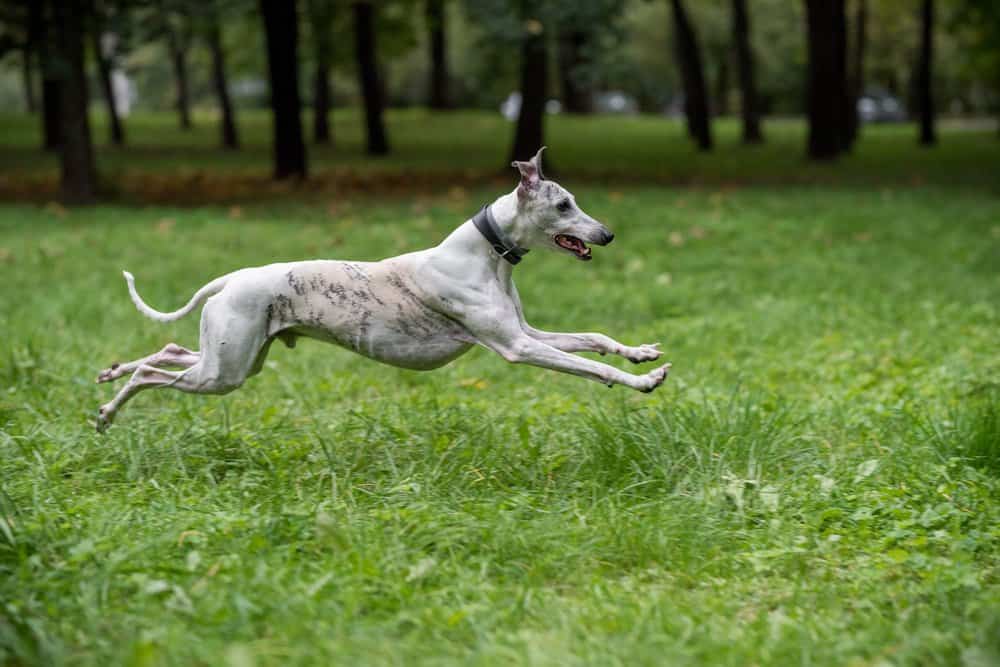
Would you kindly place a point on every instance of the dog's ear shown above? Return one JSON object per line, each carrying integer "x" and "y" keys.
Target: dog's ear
{"x": 531, "y": 174}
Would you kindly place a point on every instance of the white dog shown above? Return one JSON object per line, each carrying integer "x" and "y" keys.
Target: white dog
{"x": 420, "y": 310}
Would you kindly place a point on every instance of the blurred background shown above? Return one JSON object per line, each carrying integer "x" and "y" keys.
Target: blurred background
{"x": 121, "y": 88}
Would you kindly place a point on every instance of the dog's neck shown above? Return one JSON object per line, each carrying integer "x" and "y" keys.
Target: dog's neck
{"x": 470, "y": 243}
{"x": 505, "y": 214}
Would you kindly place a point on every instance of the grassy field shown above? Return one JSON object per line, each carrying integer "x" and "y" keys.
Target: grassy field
{"x": 816, "y": 483}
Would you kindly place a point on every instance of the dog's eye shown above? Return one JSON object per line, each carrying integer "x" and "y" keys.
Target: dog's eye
{"x": 563, "y": 206}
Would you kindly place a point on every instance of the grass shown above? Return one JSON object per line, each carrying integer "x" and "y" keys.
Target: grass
{"x": 815, "y": 484}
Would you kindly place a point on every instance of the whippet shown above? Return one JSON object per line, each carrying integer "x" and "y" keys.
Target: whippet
{"x": 420, "y": 310}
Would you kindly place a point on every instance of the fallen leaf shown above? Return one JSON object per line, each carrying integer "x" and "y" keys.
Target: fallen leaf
{"x": 56, "y": 209}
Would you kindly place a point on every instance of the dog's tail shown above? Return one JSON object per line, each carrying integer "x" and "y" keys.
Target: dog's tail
{"x": 208, "y": 290}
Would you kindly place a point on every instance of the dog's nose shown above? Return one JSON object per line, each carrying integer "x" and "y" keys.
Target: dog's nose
{"x": 608, "y": 238}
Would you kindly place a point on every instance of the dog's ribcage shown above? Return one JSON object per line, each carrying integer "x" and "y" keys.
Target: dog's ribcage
{"x": 372, "y": 308}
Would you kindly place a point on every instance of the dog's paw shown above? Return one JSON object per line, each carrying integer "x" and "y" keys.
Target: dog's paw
{"x": 655, "y": 378}
{"x": 647, "y": 352}
{"x": 109, "y": 374}
{"x": 104, "y": 417}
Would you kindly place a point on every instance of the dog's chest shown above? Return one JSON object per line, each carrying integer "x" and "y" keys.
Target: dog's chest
{"x": 369, "y": 308}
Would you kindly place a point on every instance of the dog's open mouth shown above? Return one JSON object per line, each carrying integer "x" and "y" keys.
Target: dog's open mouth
{"x": 574, "y": 245}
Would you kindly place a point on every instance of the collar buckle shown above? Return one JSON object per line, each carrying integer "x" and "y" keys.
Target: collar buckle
{"x": 488, "y": 227}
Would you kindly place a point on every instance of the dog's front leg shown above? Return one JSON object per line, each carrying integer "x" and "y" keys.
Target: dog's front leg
{"x": 583, "y": 342}
{"x": 594, "y": 342}
{"x": 527, "y": 350}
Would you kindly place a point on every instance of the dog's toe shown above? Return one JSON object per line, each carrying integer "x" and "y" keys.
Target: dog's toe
{"x": 109, "y": 374}
{"x": 103, "y": 420}
{"x": 644, "y": 353}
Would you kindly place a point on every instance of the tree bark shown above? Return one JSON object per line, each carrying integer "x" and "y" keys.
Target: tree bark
{"x": 745, "y": 64}
{"x": 572, "y": 57}
{"x": 78, "y": 183}
{"x": 371, "y": 86}
{"x": 43, "y": 36}
{"x": 857, "y": 76}
{"x": 840, "y": 81}
{"x": 117, "y": 132}
{"x": 721, "y": 96}
{"x": 438, "y": 83}
{"x": 693, "y": 77}
{"x": 320, "y": 12}
{"x": 925, "y": 92}
{"x": 28, "y": 80}
{"x": 281, "y": 30}
{"x": 178, "y": 59}
{"x": 230, "y": 136}
{"x": 529, "y": 134}
{"x": 825, "y": 81}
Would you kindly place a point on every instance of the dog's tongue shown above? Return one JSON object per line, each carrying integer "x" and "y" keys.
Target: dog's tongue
{"x": 574, "y": 244}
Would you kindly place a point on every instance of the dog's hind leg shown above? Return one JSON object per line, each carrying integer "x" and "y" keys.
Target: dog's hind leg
{"x": 171, "y": 355}
{"x": 231, "y": 346}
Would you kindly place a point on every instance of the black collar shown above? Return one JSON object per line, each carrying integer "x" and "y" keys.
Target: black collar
{"x": 487, "y": 226}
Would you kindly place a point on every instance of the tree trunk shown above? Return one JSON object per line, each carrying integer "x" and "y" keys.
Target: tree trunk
{"x": 840, "y": 81}
{"x": 178, "y": 58}
{"x": 371, "y": 87}
{"x": 825, "y": 81}
{"x": 230, "y": 136}
{"x": 925, "y": 92}
{"x": 693, "y": 77}
{"x": 745, "y": 64}
{"x": 281, "y": 30}
{"x": 104, "y": 71}
{"x": 857, "y": 77}
{"x": 529, "y": 135}
{"x": 321, "y": 16}
{"x": 28, "y": 80}
{"x": 51, "y": 119}
{"x": 78, "y": 175}
{"x": 43, "y": 36}
{"x": 722, "y": 85}
{"x": 438, "y": 84}
{"x": 572, "y": 57}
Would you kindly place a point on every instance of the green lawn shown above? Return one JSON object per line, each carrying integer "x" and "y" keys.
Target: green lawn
{"x": 816, "y": 483}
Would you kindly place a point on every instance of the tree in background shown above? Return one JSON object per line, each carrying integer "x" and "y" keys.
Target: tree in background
{"x": 573, "y": 56}
{"x": 368, "y": 77}
{"x": 924, "y": 75}
{"x": 213, "y": 37}
{"x": 856, "y": 79}
{"x": 16, "y": 36}
{"x": 979, "y": 21}
{"x": 696, "y": 107}
{"x": 281, "y": 32}
{"x": 529, "y": 133}
{"x": 105, "y": 45}
{"x": 43, "y": 36}
{"x": 321, "y": 18}
{"x": 174, "y": 23}
{"x": 826, "y": 83}
{"x": 749, "y": 111}
{"x": 842, "y": 86}
{"x": 437, "y": 39}
{"x": 78, "y": 183}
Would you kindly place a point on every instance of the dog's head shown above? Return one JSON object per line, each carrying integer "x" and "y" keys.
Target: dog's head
{"x": 549, "y": 215}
